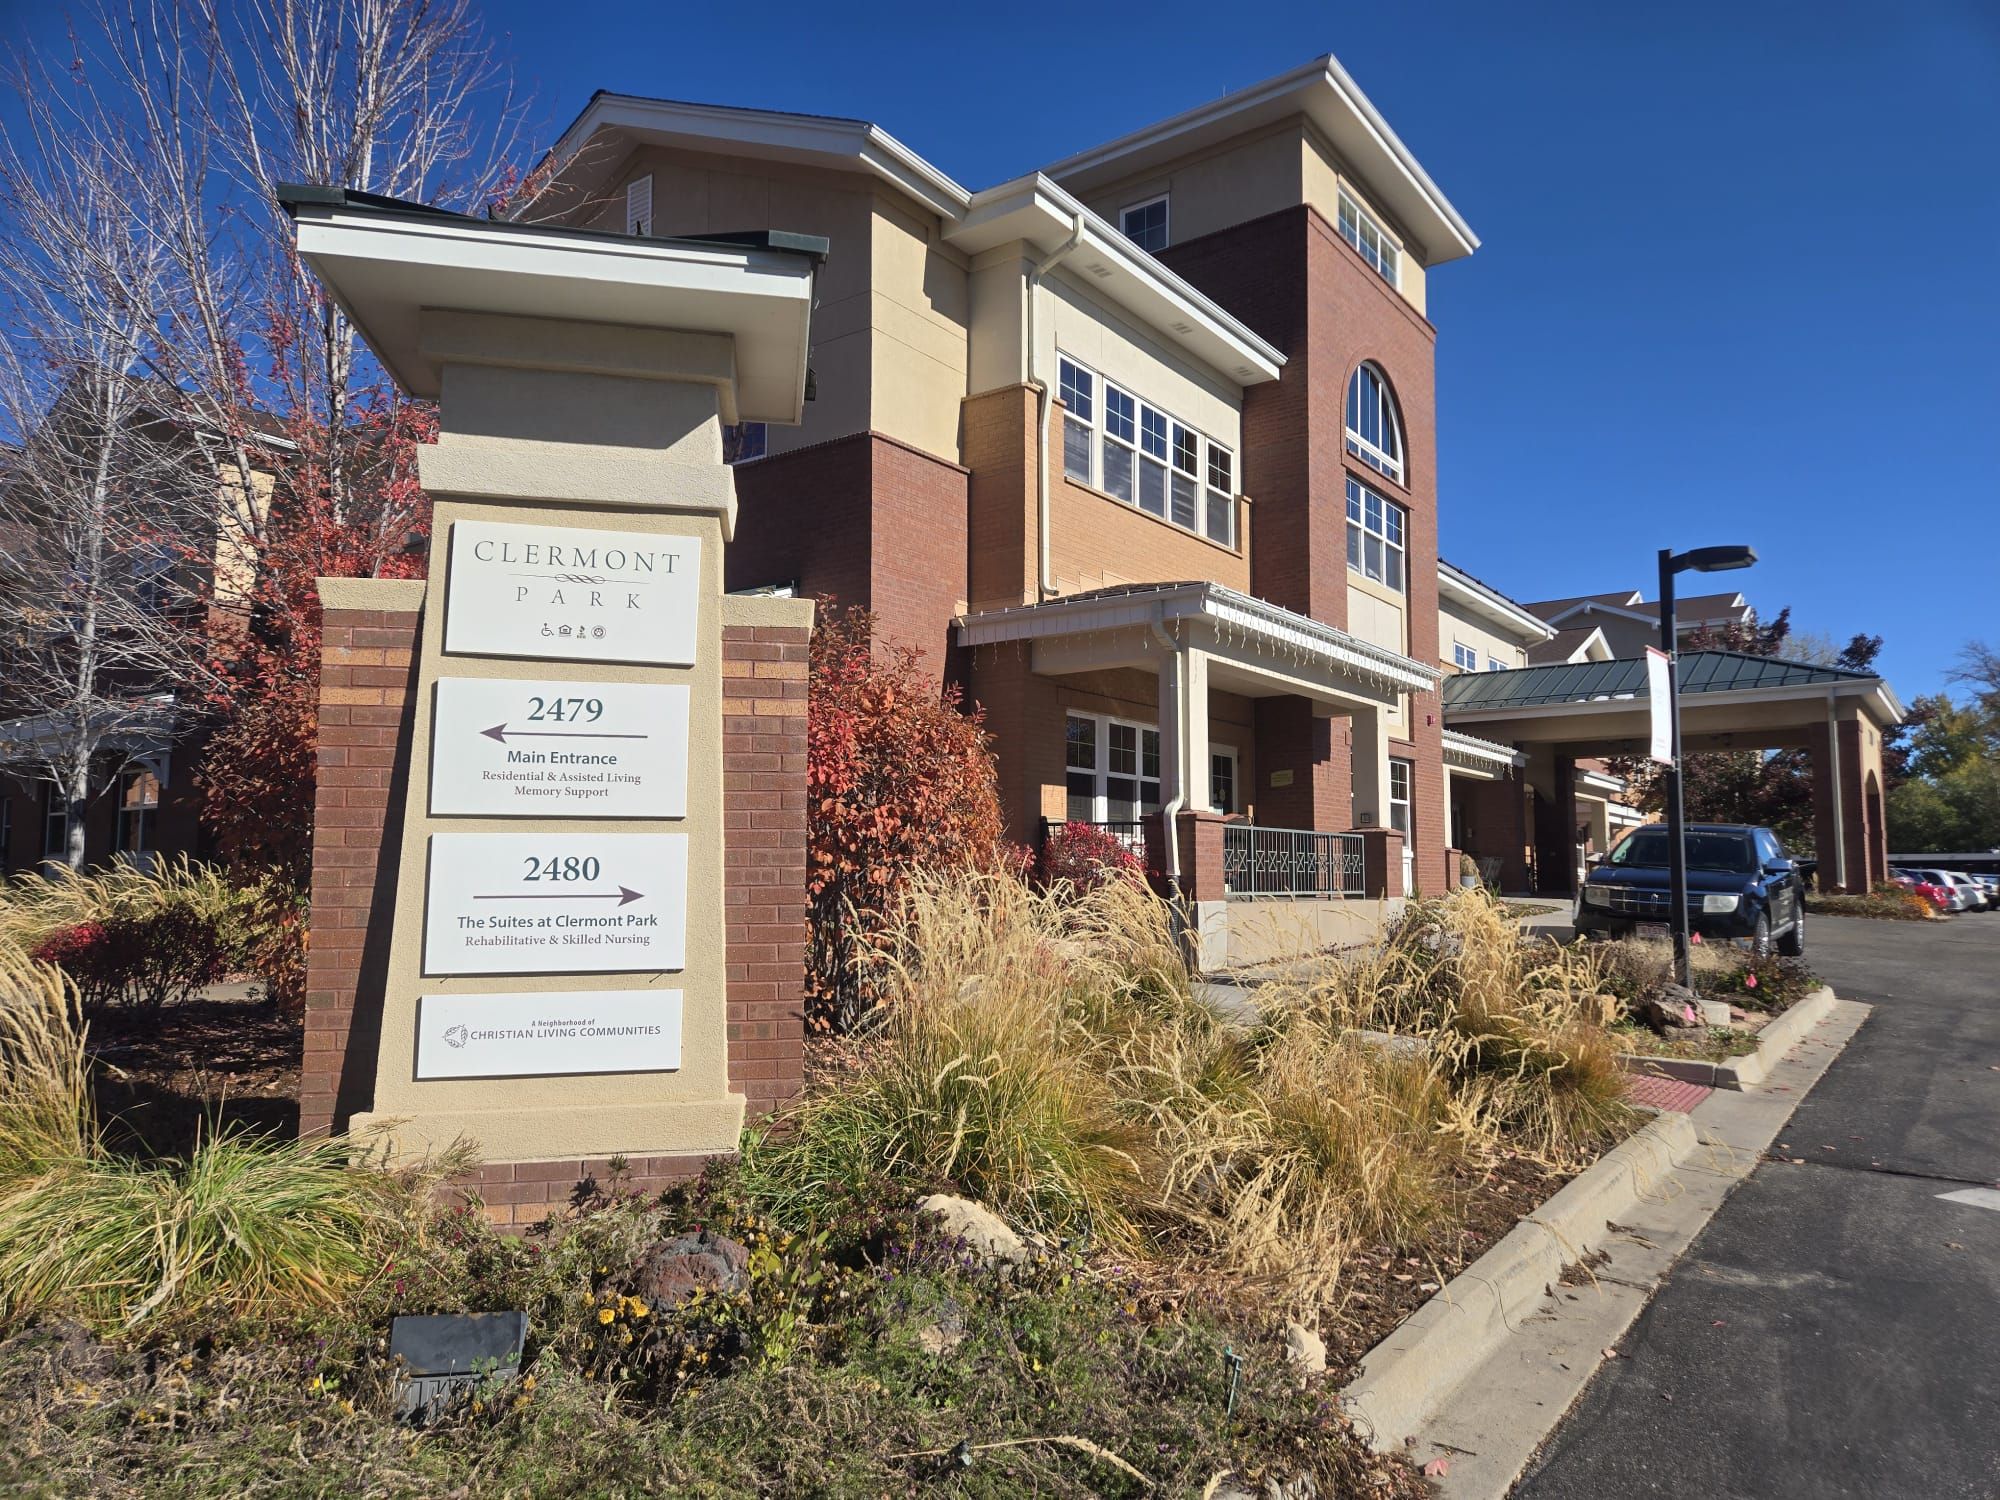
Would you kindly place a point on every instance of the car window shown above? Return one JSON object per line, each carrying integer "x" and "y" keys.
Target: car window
{"x": 1647, "y": 848}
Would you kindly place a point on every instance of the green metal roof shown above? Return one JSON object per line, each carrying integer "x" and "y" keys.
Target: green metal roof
{"x": 1589, "y": 681}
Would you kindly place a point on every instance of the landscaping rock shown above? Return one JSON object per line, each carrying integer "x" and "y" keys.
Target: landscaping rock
{"x": 1301, "y": 1488}
{"x": 984, "y": 1231}
{"x": 675, "y": 1269}
{"x": 1305, "y": 1349}
{"x": 946, "y": 1334}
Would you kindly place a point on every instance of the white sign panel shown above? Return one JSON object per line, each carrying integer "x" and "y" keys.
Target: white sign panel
{"x": 532, "y": 1036}
{"x": 1659, "y": 690}
{"x": 529, "y": 749}
{"x": 572, "y": 594}
{"x": 555, "y": 903}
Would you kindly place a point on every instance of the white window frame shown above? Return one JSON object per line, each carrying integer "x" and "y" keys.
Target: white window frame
{"x": 1373, "y": 562}
{"x": 1401, "y": 808}
{"x": 1219, "y": 753}
{"x": 1101, "y": 771}
{"x": 1388, "y": 421}
{"x": 639, "y": 205}
{"x": 1494, "y": 664}
{"x": 55, "y": 806}
{"x": 1166, "y": 222}
{"x": 1158, "y": 451}
{"x": 1374, "y": 243}
{"x": 1464, "y": 657}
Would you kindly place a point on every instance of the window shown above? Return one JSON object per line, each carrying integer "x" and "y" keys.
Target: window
{"x": 1112, "y": 769}
{"x": 138, "y": 810}
{"x": 1464, "y": 657}
{"x": 1079, "y": 389}
{"x": 744, "y": 442}
{"x": 1399, "y": 797}
{"x": 1141, "y": 455}
{"x": 1374, "y": 536}
{"x": 1494, "y": 664}
{"x": 55, "y": 825}
{"x": 639, "y": 205}
{"x": 1365, "y": 235}
{"x": 1145, "y": 225}
{"x": 1222, "y": 780}
{"x": 1374, "y": 434}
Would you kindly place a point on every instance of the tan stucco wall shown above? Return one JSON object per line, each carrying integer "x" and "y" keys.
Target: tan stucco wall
{"x": 920, "y": 304}
{"x": 1076, "y": 322}
{"x": 1267, "y": 931}
{"x": 1324, "y": 175}
{"x": 1206, "y": 191}
{"x": 1457, "y": 625}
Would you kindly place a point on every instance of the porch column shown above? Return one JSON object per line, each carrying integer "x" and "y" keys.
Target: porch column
{"x": 1184, "y": 728}
{"x": 1847, "y": 818}
{"x": 1369, "y": 767}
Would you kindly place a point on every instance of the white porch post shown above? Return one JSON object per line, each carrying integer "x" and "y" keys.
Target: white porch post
{"x": 1194, "y": 712}
{"x": 1172, "y": 669}
{"x": 1370, "y": 767}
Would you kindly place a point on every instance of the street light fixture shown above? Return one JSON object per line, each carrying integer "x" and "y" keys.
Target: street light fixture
{"x": 1695, "y": 560}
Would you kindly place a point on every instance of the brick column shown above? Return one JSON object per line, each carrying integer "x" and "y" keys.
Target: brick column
{"x": 764, "y": 657}
{"x": 1200, "y": 837}
{"x": 1381, "y": 862}
{"x": 367, "y": 646}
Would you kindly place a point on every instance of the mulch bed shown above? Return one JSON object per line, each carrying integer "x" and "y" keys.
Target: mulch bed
{"x": 162, "y": 1077}
{"x": 1380, "y": 1288}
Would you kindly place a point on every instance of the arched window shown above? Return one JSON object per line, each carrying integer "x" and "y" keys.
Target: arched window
{"x": 1374, "y": 432}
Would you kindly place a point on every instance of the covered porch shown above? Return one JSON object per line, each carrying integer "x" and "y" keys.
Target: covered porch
{"x": 1180, "y": 714}
{"x": 1562, "y": 718}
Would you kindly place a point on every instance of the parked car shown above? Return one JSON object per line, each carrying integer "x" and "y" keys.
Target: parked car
{"x": 1992, "y": 884}
{"x": 1965, "y": 896}
{"x": 1937, "y": 895}
{"x": 1741, "y": 884}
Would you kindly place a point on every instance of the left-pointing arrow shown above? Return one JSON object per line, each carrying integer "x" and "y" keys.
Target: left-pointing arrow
{"x": 502, "y": 733}
{"x": 624, "y": 896}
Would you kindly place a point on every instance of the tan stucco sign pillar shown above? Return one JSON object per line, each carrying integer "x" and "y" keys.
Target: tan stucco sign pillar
{"x": 555, "y": 968}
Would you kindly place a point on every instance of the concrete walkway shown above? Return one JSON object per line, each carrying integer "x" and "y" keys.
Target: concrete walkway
{"x": 1835, "y": 1332}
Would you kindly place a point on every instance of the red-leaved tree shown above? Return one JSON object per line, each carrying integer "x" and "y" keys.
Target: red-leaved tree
{"x": 899, "y": 777}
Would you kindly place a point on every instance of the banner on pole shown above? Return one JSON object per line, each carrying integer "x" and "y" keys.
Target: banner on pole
{"x": 1659, "y": 691}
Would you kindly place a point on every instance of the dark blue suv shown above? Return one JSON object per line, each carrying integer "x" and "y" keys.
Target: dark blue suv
{"x": 1741, "y": 884}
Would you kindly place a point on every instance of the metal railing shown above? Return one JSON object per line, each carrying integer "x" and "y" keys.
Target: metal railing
{"x": 1131, "y": 832}
{"x": 1289, "y": 862}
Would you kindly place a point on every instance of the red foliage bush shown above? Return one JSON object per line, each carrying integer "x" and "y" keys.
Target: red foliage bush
{"x": 898, "y": 777}
{"x": 1086, "y": 856}
{"x": 146, "y": 961}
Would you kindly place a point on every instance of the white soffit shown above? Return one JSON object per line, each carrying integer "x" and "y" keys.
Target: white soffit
{"x": 1323, "y": 92}
{"x": 1474, "y": 597}
{"x": 1039, "y": 213}
{"x": 762, "y": 135}
{"x": 385, "y": 269}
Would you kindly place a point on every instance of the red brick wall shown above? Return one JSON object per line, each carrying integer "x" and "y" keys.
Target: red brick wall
{"x": 918, "y": 555}
{"x": 366, "y": 699}
{"x": 366, "y": 703}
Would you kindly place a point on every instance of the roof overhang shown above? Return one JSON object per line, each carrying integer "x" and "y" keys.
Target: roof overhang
{"x": 1323, "y": 92}
{"x": 1651, "y": 615}
{"x": 1471, "y": 753}
{"x": 824, "y": 141}
{"x": 1704, "y": 712}
{"x": 1598, "y": 782}
{"x": 1491, "y": 606}
{"x": 387, "y": 264}
{"x": 1296, "y": 636}
{"x": 1042, "y": 215}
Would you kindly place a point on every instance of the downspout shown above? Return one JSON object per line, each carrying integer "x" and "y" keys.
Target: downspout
{"x": 1170, "y": 813}
{"x": 1045, "y": 583}
{"x": 1833, "y": 773}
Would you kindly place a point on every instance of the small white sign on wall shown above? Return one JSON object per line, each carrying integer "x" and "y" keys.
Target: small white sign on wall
{"x": 507, "y": 748}
{"x": 534, "y": 1036}
{"x": 555, "y": 903}
{"x": 571, "y": 594}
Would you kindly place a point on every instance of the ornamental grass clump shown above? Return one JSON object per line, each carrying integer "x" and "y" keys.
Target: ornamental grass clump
{"x": 244, "y": 1224}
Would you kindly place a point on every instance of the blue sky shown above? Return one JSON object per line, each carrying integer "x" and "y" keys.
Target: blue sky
{"x": 1738, "y": 279}
{"x": 1741, "y": 270}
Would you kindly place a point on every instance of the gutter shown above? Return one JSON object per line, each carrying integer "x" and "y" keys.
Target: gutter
{"x": 1170, "y": 813}
{"x": 1045, "y": 584}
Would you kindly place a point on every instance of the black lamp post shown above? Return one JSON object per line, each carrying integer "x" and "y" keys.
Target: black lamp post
{"x": 1696, "y": 560}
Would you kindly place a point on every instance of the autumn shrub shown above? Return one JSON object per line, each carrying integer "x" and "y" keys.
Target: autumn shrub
{"x": 1084, "y": 855}
{"x": 1888, "y": 902}
{"x": 899, "y": 778}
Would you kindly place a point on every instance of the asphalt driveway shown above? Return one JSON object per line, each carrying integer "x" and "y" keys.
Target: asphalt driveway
{"x": 1835, "y": 1331}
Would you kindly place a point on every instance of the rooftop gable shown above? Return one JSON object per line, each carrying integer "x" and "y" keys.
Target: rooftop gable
{"x": 1324, "y": 93}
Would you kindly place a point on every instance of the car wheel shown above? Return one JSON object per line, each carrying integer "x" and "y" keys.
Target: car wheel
{"x": 1793, "y": 943}
{"x": 1760, "y": 940}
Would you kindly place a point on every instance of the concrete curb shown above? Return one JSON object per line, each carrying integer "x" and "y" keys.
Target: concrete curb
{"x": 1773, "y": 1042}
{"x": 1404, "y": 1379}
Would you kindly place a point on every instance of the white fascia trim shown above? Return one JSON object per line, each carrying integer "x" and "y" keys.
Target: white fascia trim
{"x": 1591, "y": 606}
{"x": 1394, "y": 161}
{"x": 1618, "y": 812}
{"x": 1876, "y": 691}
{"x": 775, "y": 132}
{"x": 1493, "y": 606}
{"x": 1041, "y": 212}
{"x": 1488, "y": 752}
{"x": 1597, "y": 781}
{"x": 1214, "y": 602}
